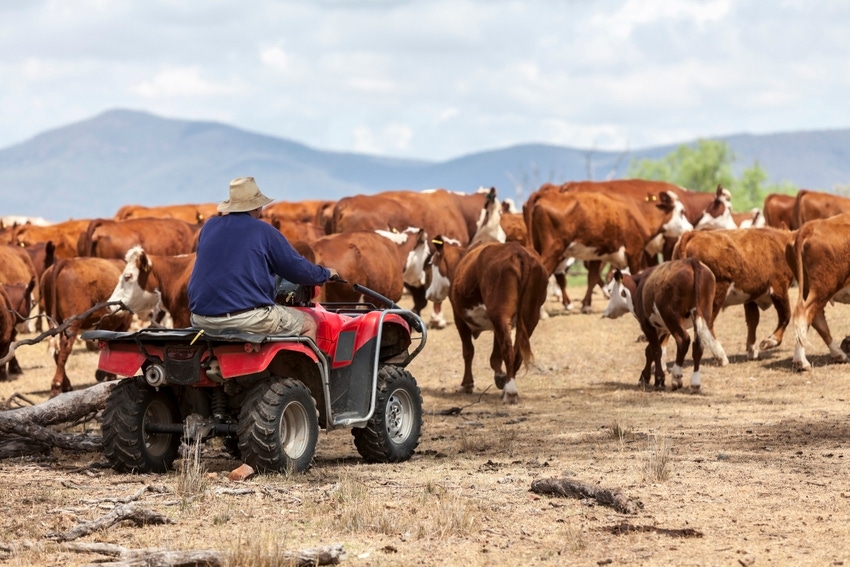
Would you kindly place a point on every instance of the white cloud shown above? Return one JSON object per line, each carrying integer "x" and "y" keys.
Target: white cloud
{"x": 182, "y": 82}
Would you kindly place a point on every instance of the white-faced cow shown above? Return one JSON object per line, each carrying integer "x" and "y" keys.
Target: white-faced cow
{"x": 150, "y": 284}
{"x": 668, "y": 299}
{"x": 492, "y": 287}
{"x": 749, "y": 268}
{"x": 819, "y": 257}
{"x": 596, "y": 226}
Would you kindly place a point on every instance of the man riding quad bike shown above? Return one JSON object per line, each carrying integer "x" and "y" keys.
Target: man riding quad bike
{"x": 266, "y": 395}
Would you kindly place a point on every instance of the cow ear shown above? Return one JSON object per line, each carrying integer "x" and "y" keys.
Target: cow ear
{"x": 144, "y": 263}
{"x": 665, "y": 201}
{"x": 618, "y": 276}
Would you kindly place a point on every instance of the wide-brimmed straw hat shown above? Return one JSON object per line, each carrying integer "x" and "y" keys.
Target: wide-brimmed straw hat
{"x": 244, "y": 196}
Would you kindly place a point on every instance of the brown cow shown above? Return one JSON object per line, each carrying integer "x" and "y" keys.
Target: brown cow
{"x": 71, "y": 287}
{"x": 749, "y": 268}
{"x": 297, "y": 230}
{"x": 150, "y": 284}
{"x": 16, "y": 267}
{"x": 63, "y": 235}
{"x": 8, "y": 320}
{"x": 379, "y": 260}
{"x": 779, "y": 211}
{"x": 514, "y": 226}
{"x": 645, "y": 195}
{"x": 491, "y": 286}
{"x": 190, "y": 213}
{"x": 598, "y": 226}
{"x": 452, "y": 215}
{"x": 105, "y": 238}
{"x": 317, "y": 212}
{"x": 818, "y": 256}
{"x": 667, "y": 299}
{"x": 17, "y": 302}
{"x": 812, "y": 205}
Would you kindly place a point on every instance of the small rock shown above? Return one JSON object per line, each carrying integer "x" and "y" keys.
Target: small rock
{"x": 244, "y": 472}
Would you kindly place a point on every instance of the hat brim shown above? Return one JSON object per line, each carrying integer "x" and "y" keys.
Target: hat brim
{"x": 228, "y": 206}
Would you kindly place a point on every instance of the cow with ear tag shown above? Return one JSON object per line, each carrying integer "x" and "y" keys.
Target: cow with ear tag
{"x": 667, "y": 300}
{"x": 492, "y": 286}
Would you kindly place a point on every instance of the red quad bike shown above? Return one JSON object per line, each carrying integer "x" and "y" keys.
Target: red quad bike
{"x": 266, "y": 395}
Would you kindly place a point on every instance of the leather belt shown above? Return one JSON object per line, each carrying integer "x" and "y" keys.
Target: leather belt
{"x": 240, "y": 311}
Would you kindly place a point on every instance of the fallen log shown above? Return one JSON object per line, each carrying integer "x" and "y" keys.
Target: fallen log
{"x": 326, "y": 555}
{"x": 572, "y": 488}
{"x": 24, "y": 431}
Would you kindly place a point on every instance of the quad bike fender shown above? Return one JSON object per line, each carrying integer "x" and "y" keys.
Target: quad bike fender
{"x": 357, "y": 333}
{"x": 122, "y": 359}
{"x": 250, "y": 358}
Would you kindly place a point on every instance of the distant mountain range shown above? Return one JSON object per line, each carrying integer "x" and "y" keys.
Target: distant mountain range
{"x": 89, "y": 169}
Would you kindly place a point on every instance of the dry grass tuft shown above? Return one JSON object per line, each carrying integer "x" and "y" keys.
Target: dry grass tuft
{"x": 192, "y": 481}
{"x": 263, "y": 549}
{"x": 657, "y": 464}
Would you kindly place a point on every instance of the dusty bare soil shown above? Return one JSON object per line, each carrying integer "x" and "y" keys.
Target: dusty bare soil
{"x": 752, "y": 471}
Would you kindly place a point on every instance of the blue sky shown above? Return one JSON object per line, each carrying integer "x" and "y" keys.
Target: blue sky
{"x": 433, "y": 79}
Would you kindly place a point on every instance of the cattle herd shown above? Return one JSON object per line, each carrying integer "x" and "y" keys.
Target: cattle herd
{"x": 678, "y": 257}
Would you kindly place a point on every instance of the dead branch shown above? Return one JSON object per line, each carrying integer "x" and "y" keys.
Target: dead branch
{"x": 571, "y": 488}
{"x": 138, "y": 516}
{"x": 23, "y": 431}
{"x": 18, "y": 400}
{"x": 56, "y": 330}
{"x": 456, "y": 410}
{"x": 326, "y": 555}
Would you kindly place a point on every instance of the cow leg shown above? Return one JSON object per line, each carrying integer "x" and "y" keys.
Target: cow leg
{"x": 698, "y": 350}
{"x": 683, "y": 343}
{"x": 504, "y": 352}
{"x": 468, "y": 349}
{"x": 61, "y": 383}
{"x": 561, "y": 281}
{"x": 820, "y": 325}
{"x": 418, "y": 296}
{"x": 783, "y": 311}
{"x": 751, "y": 315}
{"x": 594, "y": 278}
{"x": 437, "y": 319}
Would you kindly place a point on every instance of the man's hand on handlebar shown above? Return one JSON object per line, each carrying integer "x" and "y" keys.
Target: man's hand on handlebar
{"x": 335, "y": 276}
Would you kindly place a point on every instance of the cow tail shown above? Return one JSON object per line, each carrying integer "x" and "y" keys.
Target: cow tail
{"x": 798, "y": 317}
{"x": 679, "y": 250}
{"x": 86, "y": 247}
{"x": 702, "y": 309}
{"x": 528, "y": 309}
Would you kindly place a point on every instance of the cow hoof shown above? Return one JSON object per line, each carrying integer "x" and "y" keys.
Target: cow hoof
{"x": 752, "y": 354}
{"x": 695, "y": 389}
{"x": 676, "y": 385}
{"x": 465, "y": 388}
{"x": 769, "y": 343}
{"x": 500, "y": 380}
{"x": 510, "y": 399}
{"x": 586, "y": 309}
{"x": 798, "y": 366}
{"x": 437, "y": 324}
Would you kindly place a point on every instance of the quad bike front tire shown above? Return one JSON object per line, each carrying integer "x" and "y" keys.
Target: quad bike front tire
{"x": 130, "y": 407}
{"x": 278, "y": 426}
{"x": 392, "y": 434}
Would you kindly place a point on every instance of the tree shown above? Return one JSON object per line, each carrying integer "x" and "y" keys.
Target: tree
{"x": 705, "y": 165}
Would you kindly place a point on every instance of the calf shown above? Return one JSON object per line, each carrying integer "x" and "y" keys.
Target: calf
{"x": 491, "y": 287}
{"x": 818, "y": 256}
{"x": 151, "y": 284}
{"x": 668, "y": 299}
{"x": 749, "y": 268}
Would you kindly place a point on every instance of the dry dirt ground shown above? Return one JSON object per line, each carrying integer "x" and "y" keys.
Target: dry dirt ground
{"x": 752, "y": 471}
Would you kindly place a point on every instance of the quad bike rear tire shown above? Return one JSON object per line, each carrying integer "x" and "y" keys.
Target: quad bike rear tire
{"x": 392, "y": 434}
{"x": 131, "y": 405}
{"x": 278, "y": 426}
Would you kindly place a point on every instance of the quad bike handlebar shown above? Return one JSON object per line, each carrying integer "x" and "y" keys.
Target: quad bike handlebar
{"x": 414, "y": 322}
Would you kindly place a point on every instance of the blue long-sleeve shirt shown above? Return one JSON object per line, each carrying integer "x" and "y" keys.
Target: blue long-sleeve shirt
{"x": 237, "y": 259}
